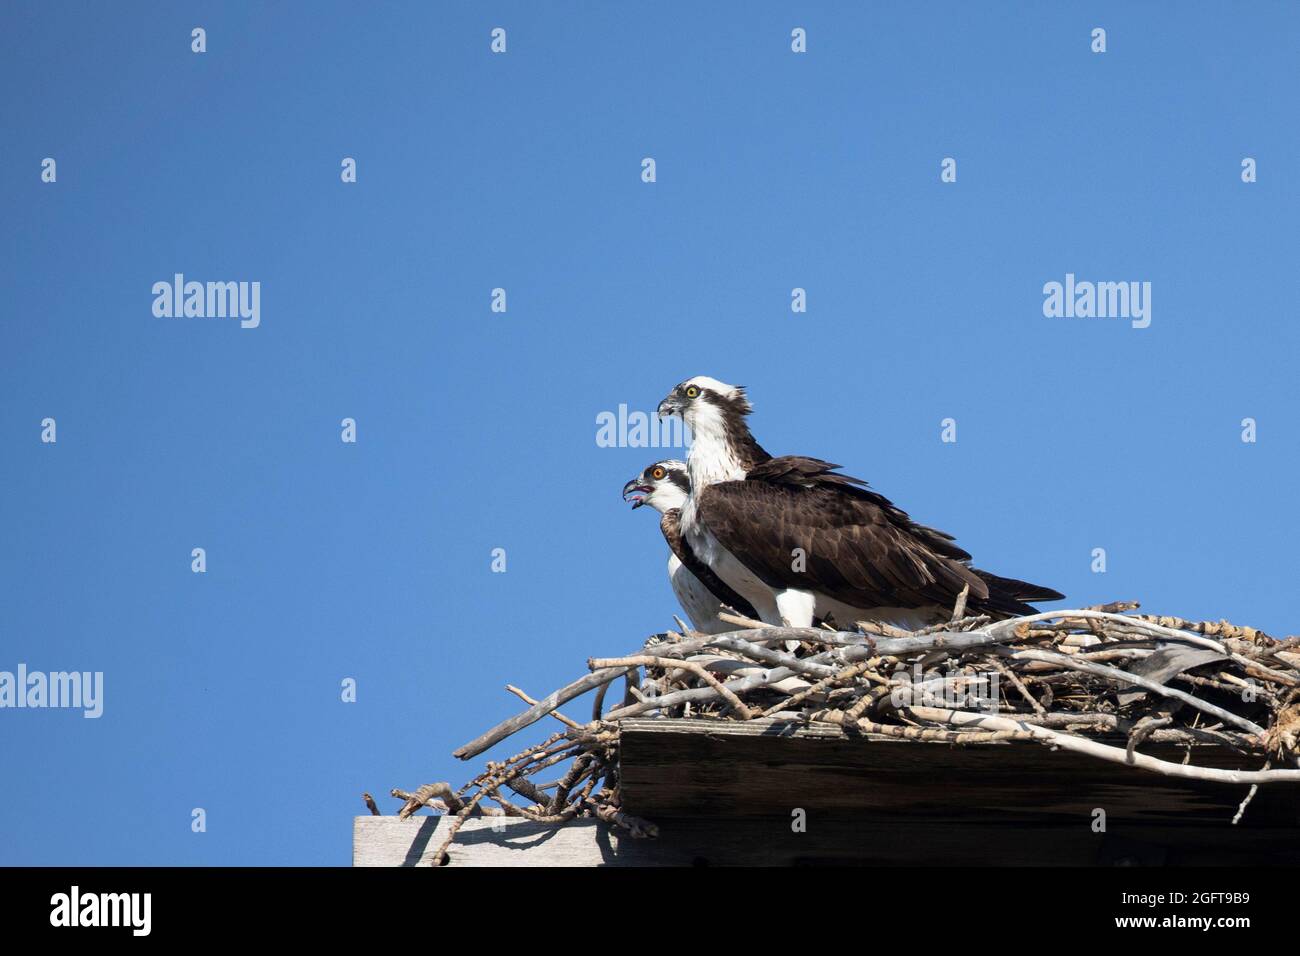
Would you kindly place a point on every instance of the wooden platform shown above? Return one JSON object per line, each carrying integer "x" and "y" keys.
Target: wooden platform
{"x": 728, "y": 794}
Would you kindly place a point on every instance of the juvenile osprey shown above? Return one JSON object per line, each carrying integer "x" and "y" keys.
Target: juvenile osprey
{"x": 664, "y": 487}
{"x": 799, "y": 541}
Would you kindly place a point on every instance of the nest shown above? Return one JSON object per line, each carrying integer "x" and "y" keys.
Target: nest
{"x": 1075, "y": 680}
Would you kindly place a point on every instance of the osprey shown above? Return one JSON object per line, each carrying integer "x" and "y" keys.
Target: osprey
{"x": 664, "y": 487}
{"x": 800, "y": 541}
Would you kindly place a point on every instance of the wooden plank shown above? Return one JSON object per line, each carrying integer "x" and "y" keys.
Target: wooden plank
{"x": 672, "y": 767}
{"x": 388, "y": 841}
{"x": 893, "y": 801}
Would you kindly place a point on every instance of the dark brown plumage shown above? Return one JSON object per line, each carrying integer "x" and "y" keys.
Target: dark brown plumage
{"x": 860, "y": 549}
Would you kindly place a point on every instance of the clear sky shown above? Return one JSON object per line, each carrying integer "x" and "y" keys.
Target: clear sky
{"x": 477, "y": 430}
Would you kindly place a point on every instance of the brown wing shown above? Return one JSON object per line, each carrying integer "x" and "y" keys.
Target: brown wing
{"x": 858, "y": 548}
{"x": 796, "y": 471}
{"x": 670, "y": 525}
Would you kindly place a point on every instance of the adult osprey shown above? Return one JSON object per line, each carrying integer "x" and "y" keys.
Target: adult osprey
{"x": 664, "y": 487}
{"x": 799, "y": 541}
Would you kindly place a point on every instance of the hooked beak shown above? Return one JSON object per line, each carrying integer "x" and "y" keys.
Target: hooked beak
{"x": 670, "y": 406}
{"x": 638, "y": 492}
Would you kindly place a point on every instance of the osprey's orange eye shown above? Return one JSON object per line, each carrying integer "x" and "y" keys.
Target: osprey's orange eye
{"x": 657, "y": 474}
{"x": 692, "y": 391}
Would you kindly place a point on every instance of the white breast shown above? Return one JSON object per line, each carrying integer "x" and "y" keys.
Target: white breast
{"x": 697, "y": 601}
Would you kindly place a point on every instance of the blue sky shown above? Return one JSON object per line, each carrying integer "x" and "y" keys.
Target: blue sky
{"x": 476, "y": 430}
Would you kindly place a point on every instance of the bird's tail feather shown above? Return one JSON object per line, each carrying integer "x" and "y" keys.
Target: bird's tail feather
{"x": 1021, "y": 590}
{"x": 1010, "y": 596}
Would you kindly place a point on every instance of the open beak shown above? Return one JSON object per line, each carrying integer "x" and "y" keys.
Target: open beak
{"x": 637, "y": 491}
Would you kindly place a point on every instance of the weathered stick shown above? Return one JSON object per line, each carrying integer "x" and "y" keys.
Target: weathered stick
{"x": 1115, "y": 674}
{"x": 645, "y": 660}
{"x": 522, "y": 695}
{"x": 1103, "y": 751}
{"x": 536, "y": 712}
{"x": 428, "y": 792}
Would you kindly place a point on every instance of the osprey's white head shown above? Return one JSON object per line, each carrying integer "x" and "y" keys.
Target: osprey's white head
{"x": 722, "y": 449}
{"x": 706, "y": 405}
{"x": 663, "y": 486}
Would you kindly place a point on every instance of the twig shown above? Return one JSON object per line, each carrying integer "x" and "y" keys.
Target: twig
{"x": 1143, "y": 729}
{"x": 645, "y": 660}
{"x": 426, "y": 793}
{"x": 1114, "y": 754}
{"x": 959, "y": 607}
{"x": 535, "y": 713}
{"x": 555, "y": 713}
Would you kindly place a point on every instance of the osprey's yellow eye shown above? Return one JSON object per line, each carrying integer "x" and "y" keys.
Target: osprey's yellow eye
{"x": 658, "y": 473}
{"x": 692, "y": 391}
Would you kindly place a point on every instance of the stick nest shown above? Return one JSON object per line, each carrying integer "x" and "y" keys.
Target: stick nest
{"x": 1101, "y": 682}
